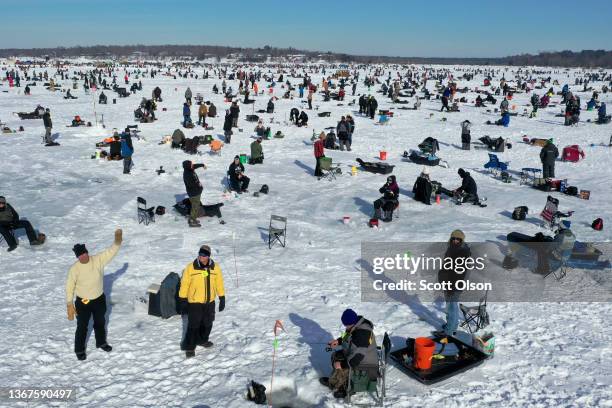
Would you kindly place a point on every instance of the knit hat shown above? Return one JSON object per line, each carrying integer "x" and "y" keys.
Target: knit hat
{"x": 461, "y": 172}
{"x": 204, "y": 251}
{"x": 425, "y": 171}
{"x": 349, "y": 317}
{"x": 79, "y": 249}
{"x": 458, "y": 234}
{"x": 2, "y": 200}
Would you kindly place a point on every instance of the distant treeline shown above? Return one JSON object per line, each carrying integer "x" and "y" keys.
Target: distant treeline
{"x": 585, "y": 58}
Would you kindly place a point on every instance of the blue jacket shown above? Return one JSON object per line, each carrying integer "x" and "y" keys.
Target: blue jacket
{"x": 447, "y": 92}
{"x": 601, "y": 112}
{"x": 591, "y": 104}
{"x": 505, "y": 119}
{"x": 186, "y": 110}
{"x": 127, "y": 149}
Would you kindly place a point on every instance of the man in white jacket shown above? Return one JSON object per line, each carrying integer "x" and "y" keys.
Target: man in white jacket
{"x": 86, "y": 282}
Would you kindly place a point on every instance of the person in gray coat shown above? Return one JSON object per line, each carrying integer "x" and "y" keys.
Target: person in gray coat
{"x": 357, "y": 351}
{"x": 188, "y": 95}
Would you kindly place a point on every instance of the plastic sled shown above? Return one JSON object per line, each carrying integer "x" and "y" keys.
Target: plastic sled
{"x": 467, "y": 358}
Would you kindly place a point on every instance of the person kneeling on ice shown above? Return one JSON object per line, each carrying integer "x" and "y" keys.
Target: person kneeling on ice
{"x": 86, "y": 282}
{"x": 9, "y": 222}
{"x": 423, "y": 188}
{"x": 260, "y": 129}
{"x": 302, "y": 119}
{"x": 238, "y": 181}
{"x": 384, "y": 206}
{"x": 468, "y": 192}
{"x": 77, "y": 121}
{"x": 201, "y": 283}
{"x": 357, "y": 348}
{"x": 457, "y": 248}
{"x": 257, "y": 156}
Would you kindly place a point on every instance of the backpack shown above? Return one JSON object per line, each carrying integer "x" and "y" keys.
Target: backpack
{"x": 597, "y": 225}
{"x": 168, "y": 295}
{"x": 191, "y": 146}
{"x": 264, "y": 189}
{"x": 519, "y": 213}
{"x": 160, "y": 210}
{"x": 256, "y": 393}
{"x": 571, "y": 190}
{"x": 509, "y": 262}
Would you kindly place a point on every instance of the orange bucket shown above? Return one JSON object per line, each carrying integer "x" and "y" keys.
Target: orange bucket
{"x": 423, "y": 352}
{"x": 383, "y": 155}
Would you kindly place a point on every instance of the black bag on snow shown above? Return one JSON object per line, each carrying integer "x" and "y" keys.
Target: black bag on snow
{"x": 160, "y": 210}
{"x": 256, "y": 393}
{"x": 571, "y": 190}
{"x": 520, "y": 213}
{"x": 509, "y": 262}
{"x": 168, "y": 295}
{"x": 264, "y": 189}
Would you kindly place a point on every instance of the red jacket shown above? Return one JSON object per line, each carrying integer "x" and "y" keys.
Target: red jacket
{"x": 319, "y": 148}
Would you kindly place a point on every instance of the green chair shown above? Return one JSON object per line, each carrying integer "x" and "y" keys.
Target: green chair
{"x": 329, "y": 169}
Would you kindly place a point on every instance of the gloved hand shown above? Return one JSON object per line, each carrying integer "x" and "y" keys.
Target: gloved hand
{"x": 118, "y": 236}
{"x": 221, "y": 303}
{"x": 182, "y": 306}
{"x": 70, "y": 309}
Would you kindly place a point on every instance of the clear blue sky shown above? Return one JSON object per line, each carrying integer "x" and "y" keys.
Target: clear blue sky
{"x": 454, "y": 28}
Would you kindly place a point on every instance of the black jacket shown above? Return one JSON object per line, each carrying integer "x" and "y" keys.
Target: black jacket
{"x": 8, "y": 216}
{"x": 232, "y": 171}
{"x": 422, "y": 190}
{"x": 468, "y": 185}
{"x": 191, "y": 180}
{"x": 452, "y": 274}
{"x": 549, "y": 154}
{"x": 227, "y": 123}
{"x": 47, "y": 120}
{"x": 234, "y": 110}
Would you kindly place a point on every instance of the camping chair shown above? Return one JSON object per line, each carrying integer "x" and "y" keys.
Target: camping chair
{"x": 494, "y": 165}
{"x": 551, "y": 214}
{"x": 561, "y": 271}
{"x": 475, "y": 317}
{"x": 529, "y": 174}
{"x": 145, "y": 215}
{"x": 328, "y": 169}
{"x": 277, "y": 231}
{"x": 360, "y": 381}
{"x": 216, "y": 146}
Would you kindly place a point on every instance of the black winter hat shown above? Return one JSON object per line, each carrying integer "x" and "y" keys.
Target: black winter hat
{"x": 461, "y": 173}
{"x": 187, "y": 164}
{"x": 2, "y": 200}
{"x": 79, "y": 249}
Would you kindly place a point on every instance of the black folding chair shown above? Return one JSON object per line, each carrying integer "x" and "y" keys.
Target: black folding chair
{"x": 277, "y": 231}
{"x": 475, "y": 317}
{"x": 145, "y": 215}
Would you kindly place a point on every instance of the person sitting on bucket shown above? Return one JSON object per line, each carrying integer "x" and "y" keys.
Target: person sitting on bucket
{"x": 384, "y": 206}
{"x": 357, "y": 347}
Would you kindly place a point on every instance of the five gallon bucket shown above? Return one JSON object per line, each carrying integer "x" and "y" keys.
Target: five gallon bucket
{"x": 423, "y": 352}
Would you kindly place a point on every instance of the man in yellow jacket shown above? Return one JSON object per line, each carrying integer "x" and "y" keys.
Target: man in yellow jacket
{"x": 86, "y": 281}
{"x": 201, "y": 283}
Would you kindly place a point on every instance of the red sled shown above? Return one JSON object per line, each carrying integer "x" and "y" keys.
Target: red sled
{"x": 572, "y": 154}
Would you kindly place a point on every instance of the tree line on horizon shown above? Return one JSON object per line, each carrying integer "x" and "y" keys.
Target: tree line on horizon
{"x": 584, "y": 58}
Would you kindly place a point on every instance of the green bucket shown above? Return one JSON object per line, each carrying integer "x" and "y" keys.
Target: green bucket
{"x": 243, "y": 158}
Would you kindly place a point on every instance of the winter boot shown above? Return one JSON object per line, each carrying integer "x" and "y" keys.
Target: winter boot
{"x": 189, "y": 354}
{"x": 106, "y": 347}
{"x": 12, "y": 248}
{"x": 81, "y": 356}
{"x": 206, "y": 344}
{"x": 194, "y": 223}
{"x": 324, "y": 381}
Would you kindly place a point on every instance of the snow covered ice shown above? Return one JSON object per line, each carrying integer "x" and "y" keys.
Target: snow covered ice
{"x": 547, "y": 354}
